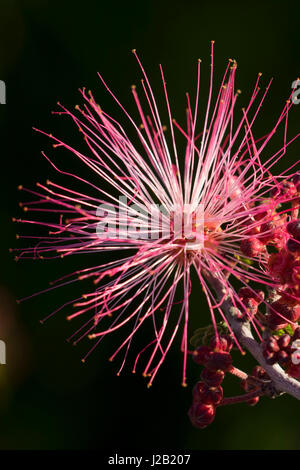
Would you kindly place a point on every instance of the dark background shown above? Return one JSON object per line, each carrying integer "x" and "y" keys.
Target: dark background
{"x": 48, "y": 399}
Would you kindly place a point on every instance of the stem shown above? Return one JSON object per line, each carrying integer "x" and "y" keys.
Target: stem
{"x": 240, "y": 398}
{"x": 280, "y": 380}
{"x": 238, "y": 373}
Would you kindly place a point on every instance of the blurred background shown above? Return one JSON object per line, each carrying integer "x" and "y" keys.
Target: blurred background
{"x": 48, "y": 49}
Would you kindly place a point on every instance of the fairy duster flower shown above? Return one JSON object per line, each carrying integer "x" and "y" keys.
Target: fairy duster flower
{"x": 161, "y": 212}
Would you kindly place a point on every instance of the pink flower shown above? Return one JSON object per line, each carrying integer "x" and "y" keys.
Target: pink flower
{"x": 219, "y": 187}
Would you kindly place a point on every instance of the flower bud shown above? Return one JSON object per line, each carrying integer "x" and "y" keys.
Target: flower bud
{"x": 219, "y": 344}
{"x": 270, "y": 357}
{"x": 213, "y": 378}
{"x": 280, "y": 266}
{"x": 271, "y": 344}
{"x": 201, "y": 415}
{"x": 219, "y": 360}
{"x": 283, "y": 341}
{"x": 213, "y": 396}
{"x": 282, "y": 358}
{"x": 200, "y": 354}
{"x": 251, "y": 247}
{"x": 288, "y": 312}
{"x": 281, "y": 314}
{"x": 275, "y": 322}
{"x": 269, "y": 232}
{"x": 247, "y": 293}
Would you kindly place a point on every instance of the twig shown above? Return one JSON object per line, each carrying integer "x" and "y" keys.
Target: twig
{"x": 241, "y": 398}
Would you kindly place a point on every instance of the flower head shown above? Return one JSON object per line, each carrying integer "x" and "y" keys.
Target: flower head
{"x": 214, "y": 208}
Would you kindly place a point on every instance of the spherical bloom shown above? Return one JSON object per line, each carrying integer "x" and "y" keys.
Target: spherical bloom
{"x": 162, "y": 212}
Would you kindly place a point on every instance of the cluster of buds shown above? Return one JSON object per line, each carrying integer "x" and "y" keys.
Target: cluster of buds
{"x": 216, "y": 360}
{"x": 208, "y": 393}
{"x": 285, "y": 350}
{"x": 277, "y": 349}
{"x": 216, "y": 356}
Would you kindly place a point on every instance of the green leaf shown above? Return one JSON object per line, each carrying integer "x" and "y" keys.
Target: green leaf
{"x": 279, "y": 332}
{"x": 289, "y": 330}
{"x": 283, "y": 331}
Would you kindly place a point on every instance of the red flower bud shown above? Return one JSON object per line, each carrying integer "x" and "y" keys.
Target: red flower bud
{"x": 283, "y": 341}
{"x": 275, "y": 322}
{"x": 201, "y": 415}
{"x": 219, "y": 344}
{"x": 218, "y": 360}
{"x": 288, "y": 312}
{"x": 270, "y": 232}
{"x": 270, "y": 357}
{"x": 213, "y": 378}
{"x": 280, "y": 266}
{"x": 247, "y": 293}
{"x": 283, "y": 358}
{"x": 251, "y": 247}
{"x": 200, "y": 354}
{"x": 213, "y": 396}
{"x": 271, "y": 344}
